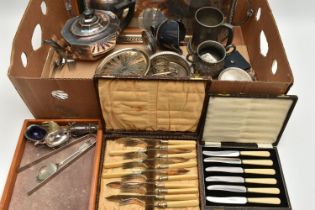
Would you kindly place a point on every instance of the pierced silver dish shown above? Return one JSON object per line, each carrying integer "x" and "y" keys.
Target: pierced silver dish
{"x": 124, "y": 62}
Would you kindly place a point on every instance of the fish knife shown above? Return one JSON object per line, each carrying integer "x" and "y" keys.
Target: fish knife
{"x": 138, "y": 141}
{"x": 145, "y": 172}
{"x": 165, "y": 149}
{"x": 153, "y": 163}
{"x": 160, "y": 178}
{"x": 244, "y": 200}
{"x": 235, "y": 153}
{"x": 160, "y": 204}
{"x": 177, "y": 197}
{"x": 239, "y": 170}
{"x": 262, "y": 162}
{"x": 151, "y": 188}
{"x": 243, "y": 189}
{"x": 159, "y": 155}
{"x": 168, "y": 185}
{"x": 238, "y": 179}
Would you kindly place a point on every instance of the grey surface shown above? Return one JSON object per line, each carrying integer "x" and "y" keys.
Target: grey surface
{"x": 295, "y": 21}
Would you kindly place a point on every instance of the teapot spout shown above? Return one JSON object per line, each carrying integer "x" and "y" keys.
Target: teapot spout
{"x": 63, "y": 53}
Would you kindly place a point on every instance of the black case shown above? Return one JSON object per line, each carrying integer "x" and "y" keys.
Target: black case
{"x": 285, "y": 202}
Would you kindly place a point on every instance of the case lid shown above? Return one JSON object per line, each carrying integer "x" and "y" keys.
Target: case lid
{"x": 245, "y": 119}
{"x": 142, "y": 106}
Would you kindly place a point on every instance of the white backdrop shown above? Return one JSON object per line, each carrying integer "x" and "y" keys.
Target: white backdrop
{"x": 296, "y": 23}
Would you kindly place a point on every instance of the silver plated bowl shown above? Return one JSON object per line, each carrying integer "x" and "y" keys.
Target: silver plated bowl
{"x": 169, "y": 64}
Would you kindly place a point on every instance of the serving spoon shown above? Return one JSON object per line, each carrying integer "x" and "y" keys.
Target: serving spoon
{"x": 46, "y": 173}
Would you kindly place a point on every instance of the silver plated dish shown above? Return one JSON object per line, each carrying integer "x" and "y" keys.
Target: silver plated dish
{"x": 124, "y": 62}
{"x": 234, "y": 74}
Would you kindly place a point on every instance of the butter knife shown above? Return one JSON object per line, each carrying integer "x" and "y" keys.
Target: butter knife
{"x": 238, "y": 179}
{"x": 244, "y": 200}
{"x": 235, "y": 153}
{"x": 262, "y": 162}
{"x": 243, "y": 189}
{"x": 240, "y": 170}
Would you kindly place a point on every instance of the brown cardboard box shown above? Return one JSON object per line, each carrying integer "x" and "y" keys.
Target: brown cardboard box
{"x": 71, "y": 93}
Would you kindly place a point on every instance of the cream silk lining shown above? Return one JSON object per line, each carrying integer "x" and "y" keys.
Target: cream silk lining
{"x": 253, "y": 120}
{"x": 151, "y": 105}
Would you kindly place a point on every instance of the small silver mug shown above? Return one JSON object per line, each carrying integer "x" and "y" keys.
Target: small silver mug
{"x": 208, "y": 60}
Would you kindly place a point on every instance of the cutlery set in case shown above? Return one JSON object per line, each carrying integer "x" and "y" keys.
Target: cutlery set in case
{"x": 135, "y": 177}
{"x": 240, "y": 163}
{"x": 251, "y": 182}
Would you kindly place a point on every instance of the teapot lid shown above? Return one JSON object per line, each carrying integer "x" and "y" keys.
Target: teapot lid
{"x": 90, "y": 27}
{"x": 89, "y": 23}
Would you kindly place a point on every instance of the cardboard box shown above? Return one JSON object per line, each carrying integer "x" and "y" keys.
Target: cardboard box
{"x": 71, "y": 93}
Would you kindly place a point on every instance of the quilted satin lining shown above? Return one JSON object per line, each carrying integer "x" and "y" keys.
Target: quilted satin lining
{"x": 245, "y": 120}
{"x": 151, "y": 105}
